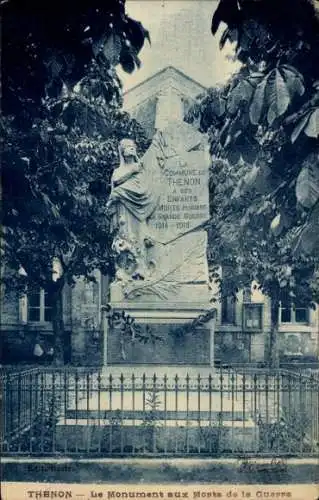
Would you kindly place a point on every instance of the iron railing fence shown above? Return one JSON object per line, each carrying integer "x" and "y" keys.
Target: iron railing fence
{"x": 229, "y": 412}
{"x": 26, "y": 392}
{"x": 19, "y": 392}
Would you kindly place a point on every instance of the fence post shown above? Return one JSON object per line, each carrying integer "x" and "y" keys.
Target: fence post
{"x": 244, "y": 408}
{"x": 210, "y": 411}
{"x": 88, "y": 429}
{"x": 233, "y": 389}
{"x": 66, "y": 405}
{"x": 111, "y": 420}
{"x": 301, "y": 407}
{"x": 54, "y": 411}
{"x": 30, "y": 407}
{"x": 99, "y": 410}
{"x": 187, "y": 413}
{"x": 121, "y": 412}
{"x": 176, "y": 413}
{"x": 134, "y": 440}
{"x": 144, "y": 410}
{"x": 76, "y": 392}
{"x": 165, "y": 413}
{"x": 155, "y": 412}
{"x": 198, "y": 412}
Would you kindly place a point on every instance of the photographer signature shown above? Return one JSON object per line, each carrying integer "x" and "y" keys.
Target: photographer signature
{"x": 259, "y": 465}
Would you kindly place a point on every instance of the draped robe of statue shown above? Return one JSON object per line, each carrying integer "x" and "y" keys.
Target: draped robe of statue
{"x": 134, "y": 201}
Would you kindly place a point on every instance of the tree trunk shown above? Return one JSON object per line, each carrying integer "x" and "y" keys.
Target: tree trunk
{"x": 58, "y": 324}
{"x": 273, "y": 344}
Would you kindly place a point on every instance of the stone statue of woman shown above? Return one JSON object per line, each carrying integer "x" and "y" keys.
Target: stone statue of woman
{"x": 131, "y": 203}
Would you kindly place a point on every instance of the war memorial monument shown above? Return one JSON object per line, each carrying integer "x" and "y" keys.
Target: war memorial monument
{"x": 159, "y": 205}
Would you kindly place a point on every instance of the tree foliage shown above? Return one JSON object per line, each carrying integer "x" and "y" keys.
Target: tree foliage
{"x": 61, "y": 124}
{"x": 241, "y": 243}
{"x": 55, "y": 43}
{"x": 263, "y": 133}
{"x": 268, "y": 113}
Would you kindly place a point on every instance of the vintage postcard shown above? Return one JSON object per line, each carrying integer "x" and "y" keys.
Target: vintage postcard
{"x": 160, "y": 251}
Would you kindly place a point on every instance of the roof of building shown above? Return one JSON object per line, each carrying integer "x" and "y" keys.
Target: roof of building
{"x": 161, "y": 80}
{"x": 161, "y": 72}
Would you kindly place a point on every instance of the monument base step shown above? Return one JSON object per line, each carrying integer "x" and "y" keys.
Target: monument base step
{"x": 199, "y": 416}
{"x": 140, "y": 437}
{"x": 149, "y": 369}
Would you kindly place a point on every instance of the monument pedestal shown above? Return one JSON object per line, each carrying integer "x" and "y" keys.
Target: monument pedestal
{"x": 174, "y": 336}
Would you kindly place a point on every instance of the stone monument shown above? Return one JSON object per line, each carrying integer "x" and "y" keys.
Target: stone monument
{"x": 159, "y": 206}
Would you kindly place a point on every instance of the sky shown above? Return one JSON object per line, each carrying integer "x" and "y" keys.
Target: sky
{"x": 181, "y": 37}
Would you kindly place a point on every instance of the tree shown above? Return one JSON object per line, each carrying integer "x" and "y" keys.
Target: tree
{"x": 62, "y": 124}
{"x": 269, "y": 111}
{"x": 242, "y": 245}
{"x": 263, "y": 130}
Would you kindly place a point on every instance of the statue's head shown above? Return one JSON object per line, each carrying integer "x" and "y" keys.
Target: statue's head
{"x": 127, "y": 150}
